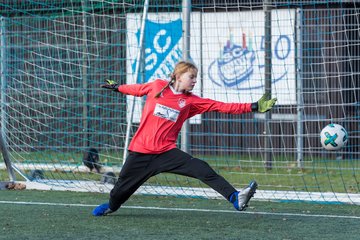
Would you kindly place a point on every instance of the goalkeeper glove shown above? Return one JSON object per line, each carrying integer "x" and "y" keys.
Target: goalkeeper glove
{"x": 264, "y": 104}
{"x": 110, "y": 84}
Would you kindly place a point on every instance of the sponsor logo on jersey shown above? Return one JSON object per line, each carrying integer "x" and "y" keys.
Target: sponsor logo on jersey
{"x": 166, "y": 112}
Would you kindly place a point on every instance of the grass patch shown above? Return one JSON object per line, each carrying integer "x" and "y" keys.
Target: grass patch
{"x": 263, "y": 220}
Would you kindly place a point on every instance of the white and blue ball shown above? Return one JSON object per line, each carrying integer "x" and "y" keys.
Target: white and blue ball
{"x": 333, "y": 137}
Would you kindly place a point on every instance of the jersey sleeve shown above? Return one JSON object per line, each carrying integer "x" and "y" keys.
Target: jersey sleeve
{"x": 201, "y": 105}
{"x": 137, "y": 90}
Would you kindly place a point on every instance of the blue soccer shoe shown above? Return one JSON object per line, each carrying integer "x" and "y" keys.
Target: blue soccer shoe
{"x": 102, "y": 210}
{"x": 241, "y": 198}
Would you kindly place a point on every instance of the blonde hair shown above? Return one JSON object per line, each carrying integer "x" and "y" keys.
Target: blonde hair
{"x": 180, "y": 68}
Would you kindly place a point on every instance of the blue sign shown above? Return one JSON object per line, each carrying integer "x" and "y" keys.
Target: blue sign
{"x": 162, "y": 51}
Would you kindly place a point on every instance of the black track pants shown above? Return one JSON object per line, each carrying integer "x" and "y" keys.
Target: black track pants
{"x": 140, "y": 167}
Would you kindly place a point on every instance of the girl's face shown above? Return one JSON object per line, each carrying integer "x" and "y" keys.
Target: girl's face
{"x": 186, "y": 82}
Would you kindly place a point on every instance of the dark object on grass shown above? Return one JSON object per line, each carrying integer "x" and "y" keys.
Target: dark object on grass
{"x": 91, "y": 159}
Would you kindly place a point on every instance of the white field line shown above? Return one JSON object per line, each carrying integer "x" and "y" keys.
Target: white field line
{"x": 267, "y": 195}
{"x": 92, "y": 186}
{"x": 59, "y": 167}
{"x": 188, "y": 209}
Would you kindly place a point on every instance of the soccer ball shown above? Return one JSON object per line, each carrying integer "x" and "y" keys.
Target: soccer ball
{"x": 333, "y": 137}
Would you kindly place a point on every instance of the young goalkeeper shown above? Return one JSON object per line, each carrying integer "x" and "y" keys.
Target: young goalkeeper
{"x": 153, "y": 148}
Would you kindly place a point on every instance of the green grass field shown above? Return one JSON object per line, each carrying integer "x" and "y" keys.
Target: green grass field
{"x": 67, "y": 215}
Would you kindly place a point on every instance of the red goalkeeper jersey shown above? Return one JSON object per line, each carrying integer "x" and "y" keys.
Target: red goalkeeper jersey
{"x": 163, "y": 117}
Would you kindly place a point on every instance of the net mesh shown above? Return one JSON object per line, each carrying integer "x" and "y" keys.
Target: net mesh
{"x": 55, "y": 55}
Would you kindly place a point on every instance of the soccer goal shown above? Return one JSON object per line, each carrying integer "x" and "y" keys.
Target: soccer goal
{"x": 61, "y": 131}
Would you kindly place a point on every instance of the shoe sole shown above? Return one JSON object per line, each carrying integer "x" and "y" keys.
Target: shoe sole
{"x": 253, "y": 186}
{"x": 108, "y": 211}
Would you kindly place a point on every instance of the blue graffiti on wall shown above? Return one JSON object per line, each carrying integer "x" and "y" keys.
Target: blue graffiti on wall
{"x": 236, "y": 64}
